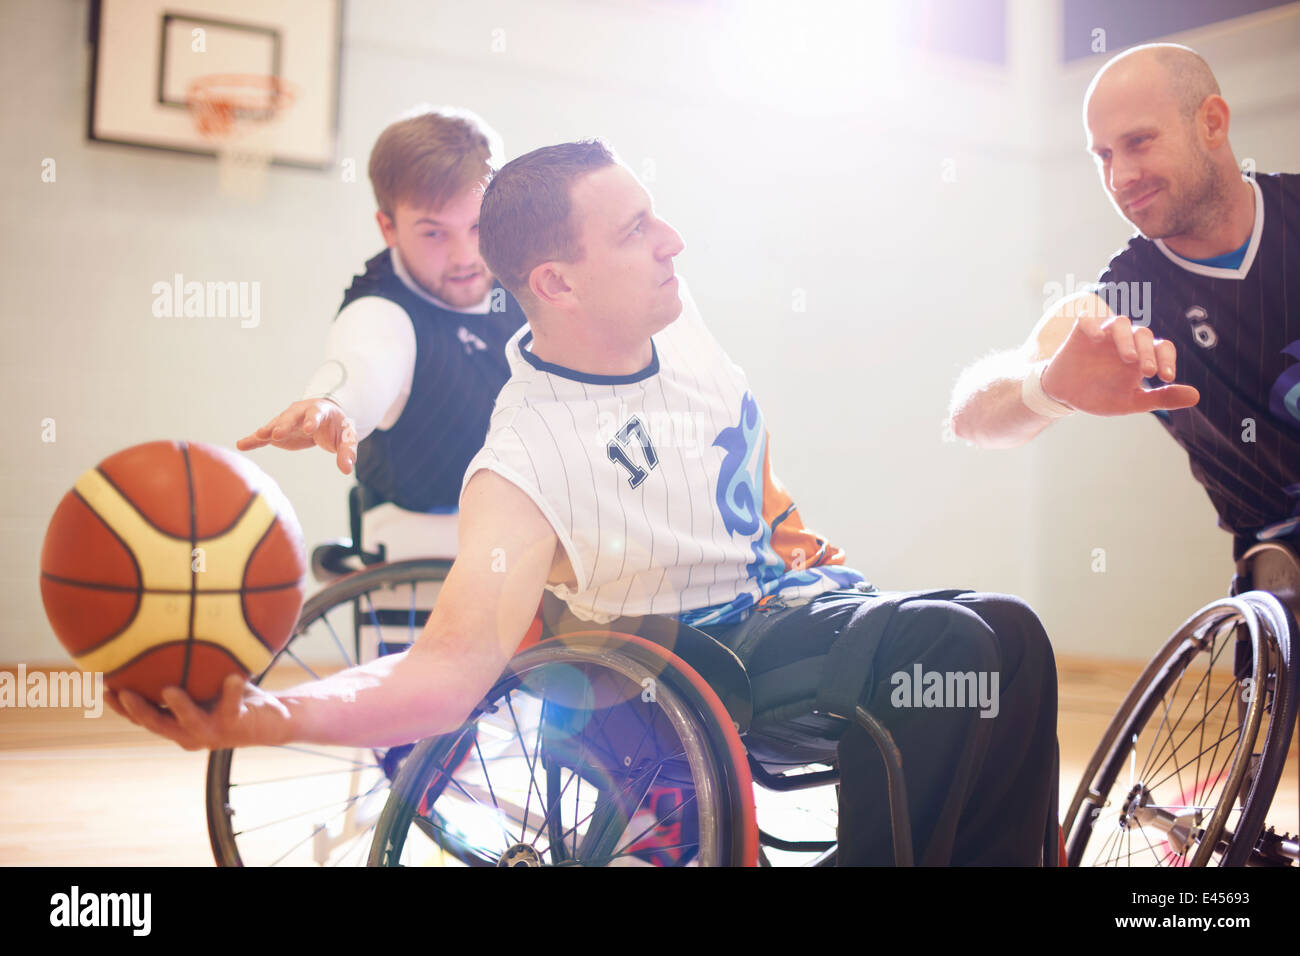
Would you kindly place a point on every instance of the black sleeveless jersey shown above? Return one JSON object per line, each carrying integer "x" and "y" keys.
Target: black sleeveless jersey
{"x": 1237, "y": 333}
{"x": 460, "y": 366}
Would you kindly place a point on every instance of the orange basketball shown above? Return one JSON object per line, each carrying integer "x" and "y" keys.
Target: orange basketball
{"x": 173, "y": 564}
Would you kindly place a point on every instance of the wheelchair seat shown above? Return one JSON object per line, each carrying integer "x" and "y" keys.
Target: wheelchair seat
{"x": 409, "y": 534}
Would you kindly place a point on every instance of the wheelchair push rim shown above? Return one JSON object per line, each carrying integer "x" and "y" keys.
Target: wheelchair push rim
{"x": 548, "y": 782}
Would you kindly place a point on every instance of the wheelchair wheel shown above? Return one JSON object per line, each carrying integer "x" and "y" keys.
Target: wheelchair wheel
{"x": 1187, "y": 768}
{"x": 593, "y": 749}
{"x": 308, "y": 804}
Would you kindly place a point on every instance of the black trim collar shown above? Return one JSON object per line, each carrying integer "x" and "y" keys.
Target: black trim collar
{"x": 562, "y": 372}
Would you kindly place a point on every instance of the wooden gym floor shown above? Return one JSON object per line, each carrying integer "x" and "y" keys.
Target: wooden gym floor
{"x": 102, "y": 792}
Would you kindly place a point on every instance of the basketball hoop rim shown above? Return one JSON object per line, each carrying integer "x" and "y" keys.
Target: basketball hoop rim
{"x": 218, "y": 100}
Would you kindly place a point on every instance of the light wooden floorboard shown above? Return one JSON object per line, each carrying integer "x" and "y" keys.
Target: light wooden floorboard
{"x": 101, "y": 792}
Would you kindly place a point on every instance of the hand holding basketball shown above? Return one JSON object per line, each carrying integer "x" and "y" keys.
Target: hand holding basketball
{"x": 245, "y": 715}
{"x": 311, "y": 421}
{"x": 1100, "y": 367}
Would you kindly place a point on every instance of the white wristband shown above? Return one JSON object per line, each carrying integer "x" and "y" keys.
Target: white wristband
{"x": 1037, "y": 400}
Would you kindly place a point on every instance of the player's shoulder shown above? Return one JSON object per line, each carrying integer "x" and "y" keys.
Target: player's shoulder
{"x": 376, "y": 314}
{"x": 373, "y": 280}
{"x": 378, "y": 268}
{"x": 1280, "y": 189}
{"x": 1136, "y": 258}
{"x": 524, "y": 392}
{"x": 1279, "y": 180}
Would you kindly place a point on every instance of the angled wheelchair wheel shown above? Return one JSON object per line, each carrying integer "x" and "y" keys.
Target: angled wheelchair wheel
{"x": 308, "y": 804}
{"x": 594, "y": 749}
{"x": 1186, "y": 771}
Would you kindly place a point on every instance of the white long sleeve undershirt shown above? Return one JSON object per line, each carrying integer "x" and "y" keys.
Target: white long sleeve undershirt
{"x": 370, "y": 356}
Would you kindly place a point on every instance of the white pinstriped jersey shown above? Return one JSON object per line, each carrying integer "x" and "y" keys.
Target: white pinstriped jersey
{"x": 658, "y": 484}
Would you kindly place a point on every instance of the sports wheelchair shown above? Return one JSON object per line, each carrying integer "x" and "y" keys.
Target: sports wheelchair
{"x": 1186, "y": 771}
{"x": 595, "y": 747}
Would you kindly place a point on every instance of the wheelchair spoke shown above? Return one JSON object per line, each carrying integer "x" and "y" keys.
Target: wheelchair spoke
{"x": 1205, "y": 680}
{"x": 319, "y": 826}
{"x": 1167, "y": 700}
{"x": 556, "y": 804}
{"x": 410, "y": 626}
{"x": 302, "y": 776}
{"x": 634, "y": 782}
{"x": 532, "y": 767}
{"x": 338, "y": 643}
{"x": 1170, "y": 699}
{"x": 1114, "y": 834}
{"x": 355, "y": 843}
{"x": 677, "y": 809}
{"x": 1161, "y": 859}
{"x": 486, "y": 776}
{"x": 288, "y": 652}
{"x": 532, "y": 770}
{"x": 469, "y": 796}
{"x": 1205, "y": 710}
{"x": 1173, "y": 756}
{"x": 574, "y": 772}
{"x": 1147, "y": 769}
{"x": 337, "y": 806}
{"x": 351, "y": 761}
{"x": 595, "y": 835}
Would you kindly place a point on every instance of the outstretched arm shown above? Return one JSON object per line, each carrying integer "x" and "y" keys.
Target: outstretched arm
{"x": 482, "y": 613}
{"x": 362, "y": 385}
{"x": 1079, "y": 357}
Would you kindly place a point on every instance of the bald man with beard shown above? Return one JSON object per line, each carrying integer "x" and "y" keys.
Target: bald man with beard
{"x": 1211, "y": 281}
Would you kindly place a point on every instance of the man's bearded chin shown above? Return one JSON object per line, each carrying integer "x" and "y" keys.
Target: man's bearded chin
{"x": 1195, "y": 209}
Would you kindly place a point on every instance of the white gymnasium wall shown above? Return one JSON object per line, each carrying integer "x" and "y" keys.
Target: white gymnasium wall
{"x": 915, "y": 220}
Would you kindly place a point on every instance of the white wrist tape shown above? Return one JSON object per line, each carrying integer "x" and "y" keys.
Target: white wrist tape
{"x": 1037, "y": 400}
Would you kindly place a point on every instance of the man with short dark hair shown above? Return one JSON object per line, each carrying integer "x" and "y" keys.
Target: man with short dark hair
{"x": 628, "y": 471}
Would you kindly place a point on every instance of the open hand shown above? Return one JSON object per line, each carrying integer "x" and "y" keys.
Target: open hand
{"x": 1100, "y": 366}
{"x": 311, "y": 421}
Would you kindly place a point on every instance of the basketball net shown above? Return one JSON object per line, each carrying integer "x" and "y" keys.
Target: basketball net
{"x": 238, "y": 114}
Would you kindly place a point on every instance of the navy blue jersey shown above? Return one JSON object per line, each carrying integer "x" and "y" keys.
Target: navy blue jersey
{"x": 1237, "y": 332}
{"x": 460, "y": 366}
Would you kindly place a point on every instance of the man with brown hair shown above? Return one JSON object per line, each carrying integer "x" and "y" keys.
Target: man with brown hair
{"x": 673, "y": 511}
{"x": 415, "y": 357}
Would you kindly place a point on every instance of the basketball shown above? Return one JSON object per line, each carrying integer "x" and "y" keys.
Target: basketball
{"x": 173, "y": 563}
